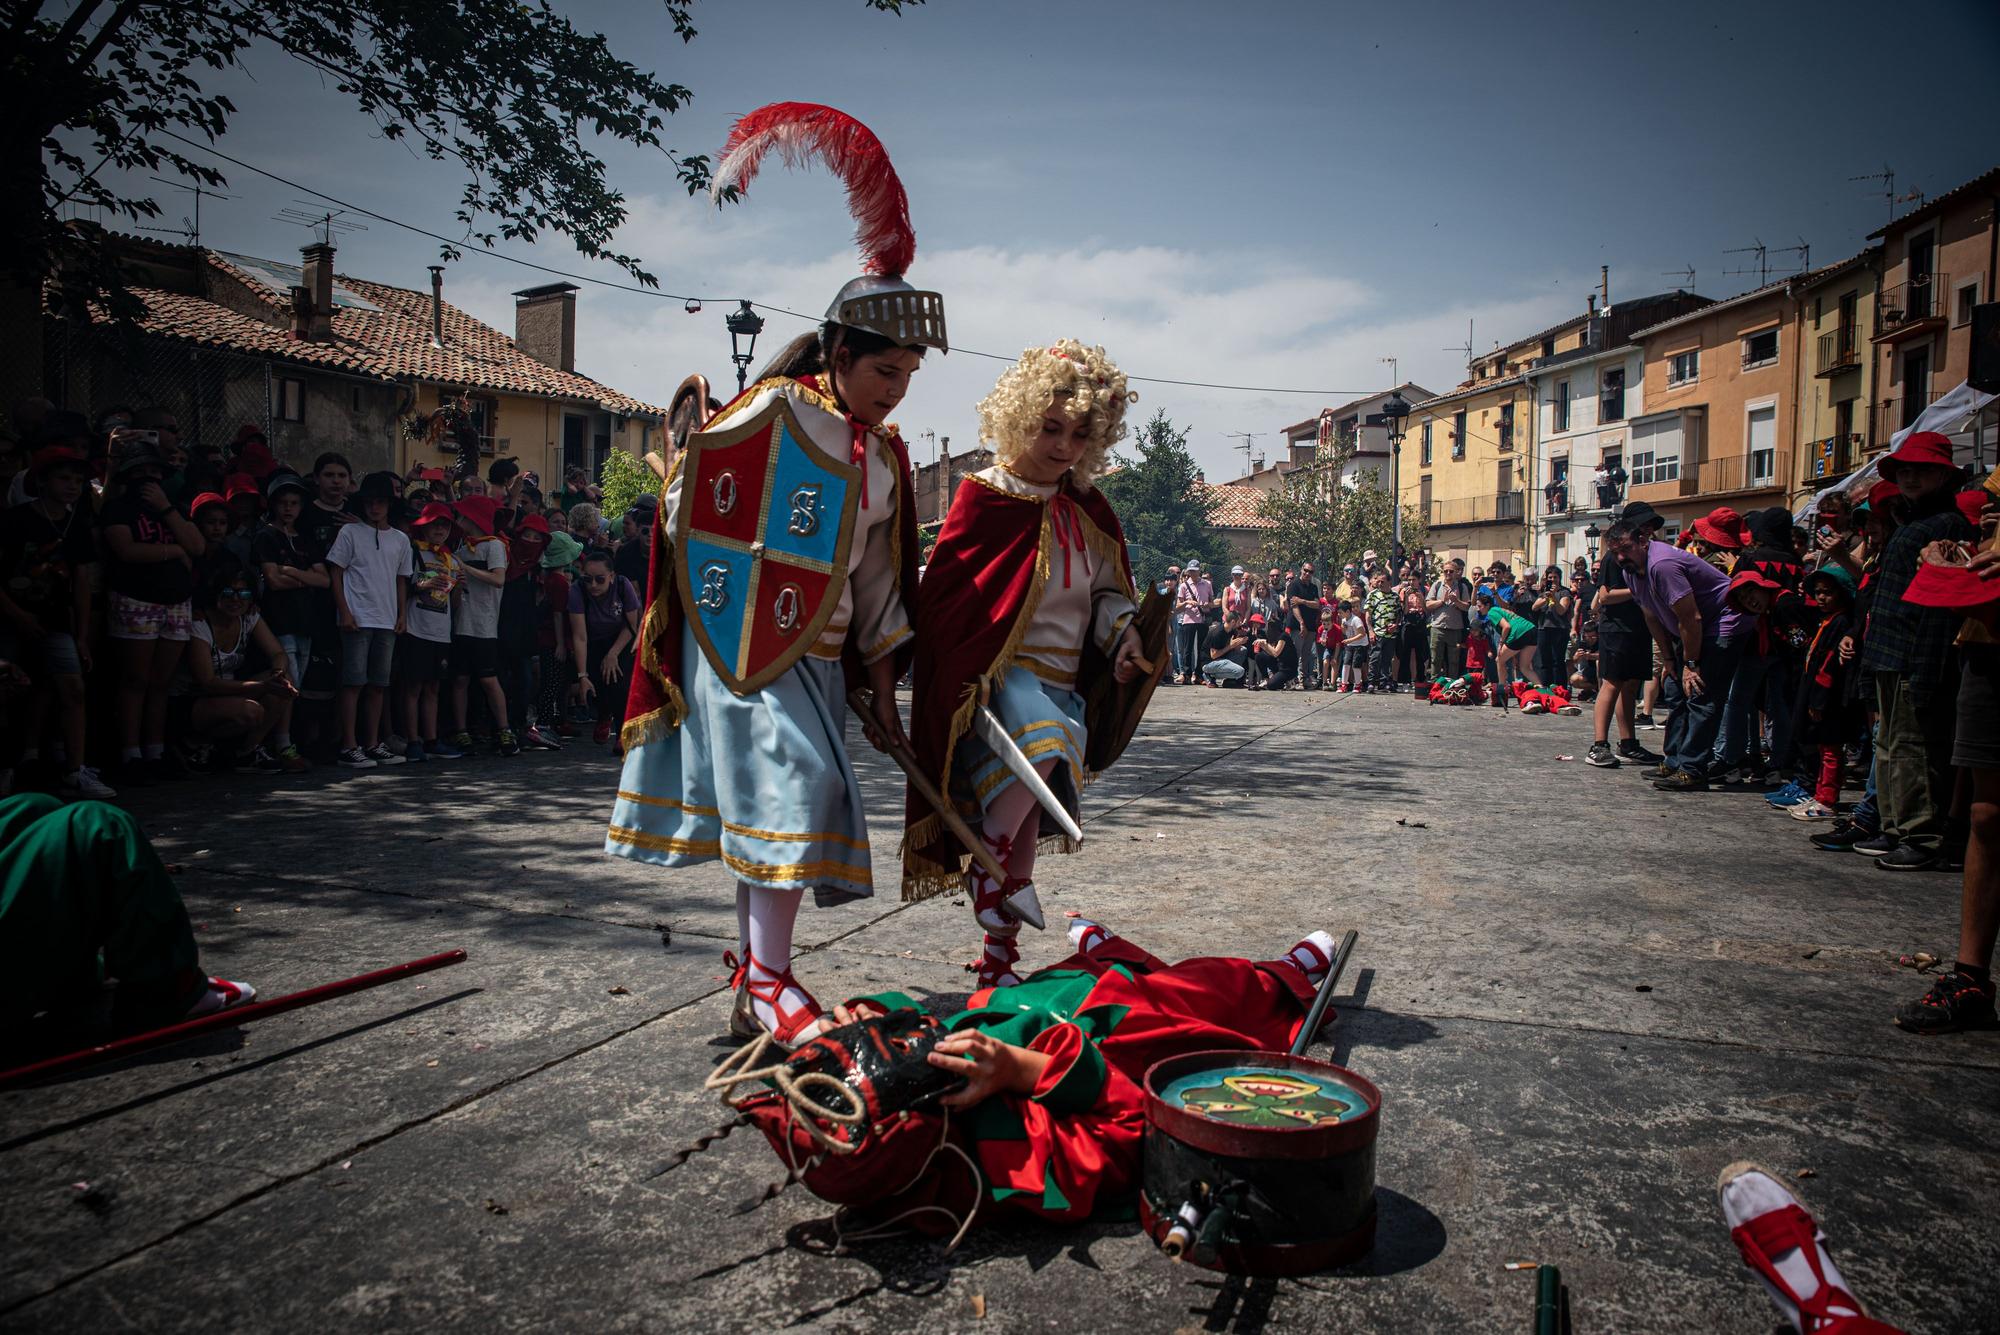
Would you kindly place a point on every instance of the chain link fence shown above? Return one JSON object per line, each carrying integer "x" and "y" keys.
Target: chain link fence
{"x": 211, "y": 392}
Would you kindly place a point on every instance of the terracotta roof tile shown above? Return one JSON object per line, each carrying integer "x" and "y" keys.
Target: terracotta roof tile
{"x": 1234, "y": 507}
{"x": 390, "y": 343}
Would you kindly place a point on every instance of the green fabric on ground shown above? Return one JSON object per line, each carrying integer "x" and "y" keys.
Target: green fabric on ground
{"x": 75, "y": 881}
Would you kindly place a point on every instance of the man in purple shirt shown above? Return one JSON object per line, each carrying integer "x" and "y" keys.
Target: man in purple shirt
{"x": 1686, "y": 602}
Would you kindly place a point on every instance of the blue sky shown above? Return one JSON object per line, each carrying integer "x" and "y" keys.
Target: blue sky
{"x": 1266, "y": 194}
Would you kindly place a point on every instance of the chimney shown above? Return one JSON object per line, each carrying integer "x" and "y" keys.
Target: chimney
{"x": 545, "y": 324}
{"x": 1592, "y": 299}
{"x": 437, "y": 305}
{"x": 1604, "y": 279}
{"x": 315, "y": 309}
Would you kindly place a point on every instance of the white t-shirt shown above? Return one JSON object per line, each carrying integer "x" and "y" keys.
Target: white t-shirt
{"x": 477, "y": 615}
{"x": 1352, "y": 628}
{"x": 228, "y": 663}
{"x": 370, "y": 559}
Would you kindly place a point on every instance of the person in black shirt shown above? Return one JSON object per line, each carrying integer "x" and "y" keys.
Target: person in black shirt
{"x": 46, "y": 549}
{"x": 294, "y": 576}
{"x": 1624, "y": 662}
{"x": 1226, "y": 652}
{"x": 1277, "y": 658}
{"x": 1302, "y": 602}
{"x": 634, "y": 558}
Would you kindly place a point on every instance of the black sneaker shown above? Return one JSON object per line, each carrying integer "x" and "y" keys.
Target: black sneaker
{"x": 1600, "y": 756}
{"x": 1659, "y": 771}
{"x": 1638, "y": 754}
{"x": 1644, "y": 721}
{"x": 1878, "y": 845}
{"x": 1843, "y": 836}
{"x": 1680, "y": 781}
{"x": 1954, "y": 1002}
{"x": 1909, "y": 857}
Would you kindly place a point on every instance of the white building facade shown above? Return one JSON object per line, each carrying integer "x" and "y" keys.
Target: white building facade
{"x": 1585, "y": 403}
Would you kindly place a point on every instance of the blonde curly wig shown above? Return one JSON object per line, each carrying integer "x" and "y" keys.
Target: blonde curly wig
{"x": 1082, "y": 382}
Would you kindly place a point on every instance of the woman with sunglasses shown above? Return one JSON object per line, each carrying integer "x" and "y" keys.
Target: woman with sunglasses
{"x": 603, "y": 625}
{"x": 215, "y": 701}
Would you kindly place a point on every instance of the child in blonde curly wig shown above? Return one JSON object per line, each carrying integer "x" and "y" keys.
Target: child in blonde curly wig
{"x": 1028, "y": 593}
{"x": 1080, "y": 384}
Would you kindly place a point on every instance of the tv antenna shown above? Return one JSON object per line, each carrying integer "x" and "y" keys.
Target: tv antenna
{"x": 1395, "y": 373}
{"x": 1803, "y": 250}
{"x": 328, "y": 223}
{"x": 1914, "y": 197}
{"x": 1763, "y": 269}
{"x": 1247, "y": 437}
{"x": 1466, "y": 351}
{"x": 190, "y": 226}
{"x": 1685, "y": 275}
{"x": 1887, "y": 176}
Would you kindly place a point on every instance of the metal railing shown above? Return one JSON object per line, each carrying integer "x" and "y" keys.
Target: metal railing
{"x": 1915, "y": 299}
{"x": 1893, "y": 414}
{"x": 1839, "y": 350}
{"x": 1505, "y": 508}
{"x": 1743, "y": 472}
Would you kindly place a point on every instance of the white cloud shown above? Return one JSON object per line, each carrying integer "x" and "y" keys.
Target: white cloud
{"x": 1246, "y": 319}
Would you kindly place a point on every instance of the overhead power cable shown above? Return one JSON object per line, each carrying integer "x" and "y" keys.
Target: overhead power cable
{"x": 661, "y": 294}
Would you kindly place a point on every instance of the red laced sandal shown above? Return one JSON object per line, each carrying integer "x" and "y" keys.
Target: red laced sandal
{"x": 792, "y": 1025}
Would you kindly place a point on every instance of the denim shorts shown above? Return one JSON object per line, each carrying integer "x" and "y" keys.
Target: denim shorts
{"x": 56, "y": 655}
{"x": 366, "y": 656}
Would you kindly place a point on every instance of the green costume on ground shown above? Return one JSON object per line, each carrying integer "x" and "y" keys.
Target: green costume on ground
{"x": 83, "y": 897}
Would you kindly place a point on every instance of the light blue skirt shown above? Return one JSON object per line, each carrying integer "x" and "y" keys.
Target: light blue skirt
{"x": 1044, "y": 720}
{"x": 760, "y": 782}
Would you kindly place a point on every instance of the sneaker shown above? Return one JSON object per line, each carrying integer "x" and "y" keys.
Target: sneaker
{"x": 291, "y": 761}
{"x": 257, "y": 761}
{"x": 1680, "y": 781}
{"x": 1954, "y": 1002}
{"x": 1568, "y": 711}
{"x": 461, "y": 741}
{"x": 1646, "y": 721}
{"x": 382, "y": 755}
{"x": 1600, "y": 756}
{"x": 1811, "y": 809}
{"x": 1842, "y": 837}
{"x": 414, "y": 752}
{"x": 1909, "y": 857}
{"x": 585, "y": 714}
{"x": 447, "y": 749}
{"x": 1659, "y": 771}
{"x": 1875, "y": 846}
{"x": 83, "y": 781}
{"x": 1638, "y": 754}
{"x": 221, "y": 995}
{"x": 1533, "y": 707}
{"x": 1790, "y": 795}
{"x": 534, "y": 739}
{"x": 355, "y": 759}
{"x": 396, "y": 742}
{"x": 602, "y": 732}
{"x": 509, "y": 745}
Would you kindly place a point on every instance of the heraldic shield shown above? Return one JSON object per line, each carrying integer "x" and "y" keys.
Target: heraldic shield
{"x": 760, "y": 547}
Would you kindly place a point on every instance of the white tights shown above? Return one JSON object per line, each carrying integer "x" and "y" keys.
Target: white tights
{"x": 764, "y": 921}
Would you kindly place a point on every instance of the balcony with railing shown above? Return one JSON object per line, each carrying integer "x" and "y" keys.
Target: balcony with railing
{"x": 1830, "y": 458}
{"x": 1911, "y": 307}
{"x": 1758, "y": 470}
{"x": 1502, "y": 509}
{"x": 1839, "y": 351}
{"x": 1893, "y": 414}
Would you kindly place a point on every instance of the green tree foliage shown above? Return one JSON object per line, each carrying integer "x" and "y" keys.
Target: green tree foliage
{"x": 508, "y": 97}
{"x": 623, "y": 481}
{"x": 1316, "y": 518}
{"x": 1160, "y": 504}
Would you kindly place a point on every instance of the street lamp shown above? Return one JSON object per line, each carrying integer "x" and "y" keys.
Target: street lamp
{"x": 1591, "y": 533}
{"x": 744, "y": 326}
{"x": 1395, "y": 413}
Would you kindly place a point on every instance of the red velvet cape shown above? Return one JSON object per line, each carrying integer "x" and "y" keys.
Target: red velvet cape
{"x": 656, "y": 705}
{"x": 974, "y": 606}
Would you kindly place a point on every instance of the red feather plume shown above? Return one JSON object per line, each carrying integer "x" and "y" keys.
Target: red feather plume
{"x": 801, "y": 131}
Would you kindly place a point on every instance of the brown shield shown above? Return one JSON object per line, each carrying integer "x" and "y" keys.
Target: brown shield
{"x": 1112, "y": 709}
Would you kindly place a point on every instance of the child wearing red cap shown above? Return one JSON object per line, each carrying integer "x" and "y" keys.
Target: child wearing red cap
{"x": 423, "y": 650}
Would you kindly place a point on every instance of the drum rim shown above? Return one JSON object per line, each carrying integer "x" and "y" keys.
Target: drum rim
{"x": 1250, "y": 1142}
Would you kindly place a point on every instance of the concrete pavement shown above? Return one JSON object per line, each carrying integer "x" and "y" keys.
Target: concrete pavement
{"x": 1580, "y": 997}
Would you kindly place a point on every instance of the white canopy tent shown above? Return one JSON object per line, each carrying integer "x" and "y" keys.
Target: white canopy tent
{"x": 1953, "y": 415}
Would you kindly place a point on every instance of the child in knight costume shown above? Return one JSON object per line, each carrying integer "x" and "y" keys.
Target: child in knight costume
{"x": 1028, "y": 591}
{"x": 781, "y": 579}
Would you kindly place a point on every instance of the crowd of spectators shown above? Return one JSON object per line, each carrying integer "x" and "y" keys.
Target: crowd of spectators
{"x": 169, "y": 608}
{"x": 1800, "y": 663}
